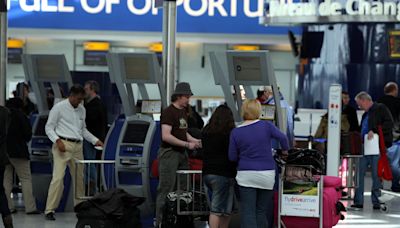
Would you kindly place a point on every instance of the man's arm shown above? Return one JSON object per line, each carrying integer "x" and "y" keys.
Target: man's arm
{"x": 51, "y": 129}
{"x": 52, "y": 124}
{"x": 170, "y": 139}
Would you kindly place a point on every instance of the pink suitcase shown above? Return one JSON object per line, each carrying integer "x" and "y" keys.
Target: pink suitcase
{"x": 331, "y": 215}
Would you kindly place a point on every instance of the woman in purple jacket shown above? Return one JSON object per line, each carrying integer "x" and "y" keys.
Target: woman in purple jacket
{"x": 250, "y": 147}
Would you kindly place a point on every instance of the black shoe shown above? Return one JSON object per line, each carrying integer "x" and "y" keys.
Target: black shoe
{"x": 50, "y": 216}
{"x": 35, "y": 212}
{"x": 376, "y": 207}
{"x": 359, "y": 206}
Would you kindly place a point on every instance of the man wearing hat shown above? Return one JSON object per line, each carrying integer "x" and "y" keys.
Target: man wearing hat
{"x": 172, "y": 155}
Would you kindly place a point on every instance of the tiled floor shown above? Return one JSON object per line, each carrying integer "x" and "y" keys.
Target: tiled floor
{"x": 366, "y": 218}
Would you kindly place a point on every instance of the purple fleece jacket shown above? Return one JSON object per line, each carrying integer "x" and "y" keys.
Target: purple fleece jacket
{"x": 250, "y": 145}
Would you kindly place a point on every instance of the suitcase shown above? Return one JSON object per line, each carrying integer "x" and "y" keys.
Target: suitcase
{"x": 133, "y": 220}
{"x": 170, "y": 218}
{"x": 332, "y": 207}
{"x": 309, "y": 157}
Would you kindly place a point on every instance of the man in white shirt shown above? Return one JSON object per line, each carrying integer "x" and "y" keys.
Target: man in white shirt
{"x": 66, "y": 128}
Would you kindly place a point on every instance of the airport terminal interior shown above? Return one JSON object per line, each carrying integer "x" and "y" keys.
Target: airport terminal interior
{"x": 306, "y": 62}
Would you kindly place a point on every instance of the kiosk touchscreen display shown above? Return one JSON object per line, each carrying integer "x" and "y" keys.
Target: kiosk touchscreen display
{"x": 136, "y": 68}
{"x": 136, "y": 132}
{"x": 40, "y": 127}
{"x": 247, "y": 68}
{"x": 49, "y": 67}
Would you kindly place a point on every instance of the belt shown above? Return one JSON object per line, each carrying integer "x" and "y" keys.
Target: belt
{"x": 70, "y": 140}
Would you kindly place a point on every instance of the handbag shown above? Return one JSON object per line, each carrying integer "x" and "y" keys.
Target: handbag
{"x": 384, "y": 170}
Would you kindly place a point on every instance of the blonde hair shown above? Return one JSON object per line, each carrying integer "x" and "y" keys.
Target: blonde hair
{"x": 251, "y": 109}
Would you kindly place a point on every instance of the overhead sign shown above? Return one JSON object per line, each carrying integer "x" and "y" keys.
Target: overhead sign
{"x": 194, "y": 16}
{"x": 288, "y": 12}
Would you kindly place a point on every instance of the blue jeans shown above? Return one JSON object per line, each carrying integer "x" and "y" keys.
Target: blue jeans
{"x": 89, "y": 153}
{"x": 4, "y": 210}
{"x": 254, "y": 205}
{"x": 222, "y": 193}
{"x": 393, "y": 154}
{"x": 371, "y": 160}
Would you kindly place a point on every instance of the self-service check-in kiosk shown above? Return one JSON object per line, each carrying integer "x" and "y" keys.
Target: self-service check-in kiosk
{"x": 41, "y": 70}
{"x": 247, "y": 69}
{"x": 134, "y": 138}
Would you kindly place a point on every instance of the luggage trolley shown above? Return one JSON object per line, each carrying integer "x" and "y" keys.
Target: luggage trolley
{"x": 302, "y": 197}
{"x": 190, "y": 189}
{"x": 386, "y": 196}
{"x": 102, "y": 182}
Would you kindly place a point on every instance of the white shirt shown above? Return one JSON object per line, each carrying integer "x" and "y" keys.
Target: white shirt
{"x": 68, "y": 122}
{"x": 264, "y": 179}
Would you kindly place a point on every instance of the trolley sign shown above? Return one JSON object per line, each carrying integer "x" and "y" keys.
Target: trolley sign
{"x": 301, "y": 198}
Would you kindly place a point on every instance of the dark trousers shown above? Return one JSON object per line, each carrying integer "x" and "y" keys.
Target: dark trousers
{"x": 255, "y": 203}
{"x": 169, "y": 161}
{"x": 4, "y": 210}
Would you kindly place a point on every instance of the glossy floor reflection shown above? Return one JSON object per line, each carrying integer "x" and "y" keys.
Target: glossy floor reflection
{"x": 365, "y": 218}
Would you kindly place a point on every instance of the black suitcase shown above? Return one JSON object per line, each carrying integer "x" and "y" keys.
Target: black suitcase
{"x": 131, "y": 219}
{"x": 112, "y": 209}
{"x": 171, "y": 219}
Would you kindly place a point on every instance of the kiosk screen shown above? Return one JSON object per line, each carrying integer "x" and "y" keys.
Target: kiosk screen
{"x": 136, "y": 68}
{"x": 247, "y": 68}
{"x": 136, "y": 132}
{"x": 40, "y": 127}
{"x": 49, "y": 67}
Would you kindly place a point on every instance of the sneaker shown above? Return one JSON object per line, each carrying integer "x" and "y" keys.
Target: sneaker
{"x": 376, "y": 207}
{"x": 50, "y": 216}
{"x": 359, "y": 206}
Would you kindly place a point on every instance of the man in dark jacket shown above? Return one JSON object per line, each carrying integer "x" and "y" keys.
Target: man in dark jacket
{"x": 19, "y": 134}
{"x": 392, "y": 102}
{"x": 96, "y": 123}
{"x": 4, "y": 210}
{"x": 375, "y": 115}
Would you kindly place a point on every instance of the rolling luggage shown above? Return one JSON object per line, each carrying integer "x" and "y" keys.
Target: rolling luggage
{"x": 332, "y": 207}
{"x": 171, "y": 219}
{"x": 111, "y": 209}
{"x": 307, "y": 157}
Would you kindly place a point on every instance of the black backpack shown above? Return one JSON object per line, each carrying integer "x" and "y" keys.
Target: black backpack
{"x": 170, "y": 218}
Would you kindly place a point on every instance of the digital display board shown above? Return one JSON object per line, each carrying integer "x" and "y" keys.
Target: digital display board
{"x": 394, "y": 44}
{"x": 95, "y": 58}
{"x": 14, "y": 55}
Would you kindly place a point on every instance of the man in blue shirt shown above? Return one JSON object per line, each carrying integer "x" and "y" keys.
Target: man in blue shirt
{"x": 375, "y": 115}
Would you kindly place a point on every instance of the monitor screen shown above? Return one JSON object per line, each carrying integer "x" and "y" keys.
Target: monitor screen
{"x": 136, "y": 132}
{"x": 49, "y": 67}
{"x": 136, "y": 68}
{"x": 151, "y": 106}
{"x": 247, "y": 68}
{"x": 40, "y": 127}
